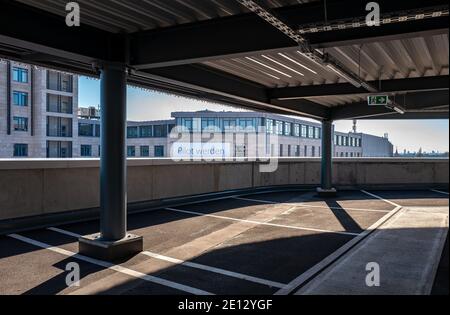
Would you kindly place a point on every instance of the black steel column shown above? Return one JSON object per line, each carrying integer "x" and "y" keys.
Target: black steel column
{"x": 113, "y": 172}
{"x": 8, "y": 97}
{"x": 327, "y": 156}
{"x": 113, "y": 242}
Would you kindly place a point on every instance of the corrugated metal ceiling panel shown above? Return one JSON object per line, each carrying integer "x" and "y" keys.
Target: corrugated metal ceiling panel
{"x": 135, "y": 15}
{"x": 394, "y": 59}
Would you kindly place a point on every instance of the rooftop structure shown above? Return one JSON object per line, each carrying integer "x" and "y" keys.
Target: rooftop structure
{"x": 317, "y": 59}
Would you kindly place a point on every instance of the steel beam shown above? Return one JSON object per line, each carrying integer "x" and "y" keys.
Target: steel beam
{"x": 387, "y": 86}
{"x": 418, "y": 105}
{"x": 235, "y": 36}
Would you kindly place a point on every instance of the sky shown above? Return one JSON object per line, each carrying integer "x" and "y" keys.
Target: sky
{"x": 144, "y": 105}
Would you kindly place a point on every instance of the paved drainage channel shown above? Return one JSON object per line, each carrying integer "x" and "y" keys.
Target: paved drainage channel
{"x": 281, "y": 287}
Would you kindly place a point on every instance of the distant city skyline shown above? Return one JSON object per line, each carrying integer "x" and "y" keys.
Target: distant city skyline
{"x": 410, "y": 135}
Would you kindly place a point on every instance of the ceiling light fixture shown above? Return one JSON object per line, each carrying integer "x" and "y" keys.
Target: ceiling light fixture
{"x": 279, "y": 63}
{"x": 296, "y": 62}
{"x": 268, "y": 67}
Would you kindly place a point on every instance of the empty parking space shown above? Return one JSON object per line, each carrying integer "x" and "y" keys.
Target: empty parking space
{"x": 416, "y": 198}
{"x": 274, "y": 253}
{"x": 338, "y": 220}
{"x": 350, "y": 200}
{"x": 253, "y": 244}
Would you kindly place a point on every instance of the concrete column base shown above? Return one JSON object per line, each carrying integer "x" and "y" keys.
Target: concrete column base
{"x": 93, "y": 246}
{"x": 326, "y": 193}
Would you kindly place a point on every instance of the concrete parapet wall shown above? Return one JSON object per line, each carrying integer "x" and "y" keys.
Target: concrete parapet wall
{"x": 37, "y": 187}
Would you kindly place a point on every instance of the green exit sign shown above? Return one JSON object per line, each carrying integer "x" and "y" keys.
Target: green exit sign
{"x": 378, "y": 100}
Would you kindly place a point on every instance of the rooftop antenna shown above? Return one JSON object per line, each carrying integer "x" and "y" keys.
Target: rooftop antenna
{"x": 354, "y": 126}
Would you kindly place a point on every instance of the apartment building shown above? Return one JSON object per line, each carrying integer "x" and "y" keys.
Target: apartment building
{"x": 38, "y": 112}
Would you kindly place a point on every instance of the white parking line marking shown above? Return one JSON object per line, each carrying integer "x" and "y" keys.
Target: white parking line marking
{"x": 381, "y": 198}
{"x": 310, "y": 273}
{"x": 440, "y": 191}
{"x": 260, "y": 223}
{"x": 111, "y": 266}
{"x": 307, "y": 206}
{"x": 226, "y": 197}
{"x": 192, "y": 265}
{"x": 68, "y": 233}
{"x": 216, "y": 270}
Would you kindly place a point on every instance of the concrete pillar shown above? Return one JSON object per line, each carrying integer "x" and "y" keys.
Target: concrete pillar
{"x": 112, "y": 242}
{"x": 326, "y": 186}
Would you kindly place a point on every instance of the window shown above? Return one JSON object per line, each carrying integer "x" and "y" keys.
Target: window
{"x": 304, "y": 133}
{"x": 58, "y": 81}
{"x": 59, "y": 149}
{"x": 85, "y": 130}
{"x": 229, "y": 124}
{"x": 86, "y": 150}
{"x": 97, "y": 130}
{"x": 52, "y": 103}
{"x": 246, "y": 123}
{"x": 317, "y": 133}
{"x": 145, "y": 151}
{"x": 297, "y": 150}
{"x": 132, "y": 132}
{"x": 208, "y": 123}
{"x": 20, "y": 98}
{"x": 20, "y": 150}
{"x": 131, "y": 151}
{"x": 160, "y": 131}
{"x": 159, "y": 151}
{"x": 66, "y": 82}
{"x": 289, "y": 150}
{"x": 65, "y": 105}
{"x": 269, "y": 126}
{"x": 287, "y": 129}
{"x": 279, "y": 127}
{"x": 281, "y": 150}
{"x": 310, "y": 132}
{"x": 59, "y": 127}
{"x": 296, "y": 130}
{"x": 20, "y": 123}
{"x": 313, "y": 151}
{"x": 145, "y": 131}
{"x": 306, "y": 150}
{"x": 171, "y": 128}
{"x": 59, "y": 104}
{"x": 187, "y": 123}
{"x": 20, "y": 75}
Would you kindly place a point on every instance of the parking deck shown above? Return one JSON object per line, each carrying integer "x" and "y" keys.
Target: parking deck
{"x": 266, "y": 243}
